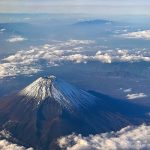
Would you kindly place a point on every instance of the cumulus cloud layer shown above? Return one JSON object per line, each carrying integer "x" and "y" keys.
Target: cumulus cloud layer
{"x": 125, "y": 139}
{"x": 136, "y": 95}
{"x": 5, "y": 145}
{"x": 138, "y": 35}
{"x": 15, "y": 39}
{"x": 31, "y": 61}
{"x": 35, "y": 59}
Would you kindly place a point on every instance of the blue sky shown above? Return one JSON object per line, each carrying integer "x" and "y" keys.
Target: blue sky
{"x": 76, "y": 6}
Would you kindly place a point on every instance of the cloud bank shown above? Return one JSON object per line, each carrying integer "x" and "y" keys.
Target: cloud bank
{"x": 136, "y": 95}
{"x": 5, "y": 145}
{"x": 125, "y": 139}
{"x": 35, "y": 59}
{"x": 138, "y": 35}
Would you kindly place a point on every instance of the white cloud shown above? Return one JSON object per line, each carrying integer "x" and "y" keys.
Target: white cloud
{"x": 27, "y": 62}
{"x": 78, "y": 42}
{"x": 106, "y": 58}
{"x": 134, "y": 58}
{"x": 15, "y": 39}
{"x": 136, "y": 95}
{"x": 5, "y": 145}
{"x": 78, "y": 58}
{"x": 125, "y": 139}
{"x": 127, "y": 90}
{"x": 27, "y": 18}
{"x": 2, "y": 30}
{"x": 138, "y": 35}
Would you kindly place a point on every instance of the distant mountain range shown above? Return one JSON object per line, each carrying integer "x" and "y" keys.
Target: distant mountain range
{"x": 50, "y": 108}
{"x": 93, "y": 22}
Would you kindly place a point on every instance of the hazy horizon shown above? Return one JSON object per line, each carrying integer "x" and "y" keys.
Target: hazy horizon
{"x": 115, "y": 7}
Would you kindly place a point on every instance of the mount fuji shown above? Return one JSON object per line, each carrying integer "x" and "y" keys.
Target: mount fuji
{"x": 64, "y": 94}
{"x": 50, "y": 108}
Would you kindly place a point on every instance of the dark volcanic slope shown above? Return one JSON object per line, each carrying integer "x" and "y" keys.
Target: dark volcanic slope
{"x": 49, "y": 108}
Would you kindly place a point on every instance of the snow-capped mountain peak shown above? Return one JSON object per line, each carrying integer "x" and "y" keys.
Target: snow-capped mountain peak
{"x": 58, "y": 90}
{"x": 50, "y": 108}
{"x": 39, "y": 89}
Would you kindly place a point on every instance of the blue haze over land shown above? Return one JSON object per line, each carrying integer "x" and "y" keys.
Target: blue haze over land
{"x": 23, "y": 32}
